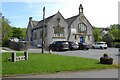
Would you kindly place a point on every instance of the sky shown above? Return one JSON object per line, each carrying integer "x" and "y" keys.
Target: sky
{"x": 100, "y": 13}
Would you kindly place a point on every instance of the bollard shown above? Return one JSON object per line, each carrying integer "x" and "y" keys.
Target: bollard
{"x": 26, "y": 55}
{"x": 13, "y": 57}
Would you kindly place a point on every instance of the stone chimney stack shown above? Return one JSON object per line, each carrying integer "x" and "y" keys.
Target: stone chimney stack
{"x": 30, "y": 19}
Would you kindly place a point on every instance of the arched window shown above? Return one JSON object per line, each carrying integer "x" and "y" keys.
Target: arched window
{"x": 82, "y": 28}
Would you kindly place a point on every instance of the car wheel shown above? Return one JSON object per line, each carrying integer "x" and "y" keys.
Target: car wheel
{"x": 101, "y": 47}
{"x": 93, "y": 47}
{"x": 106, "y": 48}
{"x": 57, "y": 49}
{"x": 87, "y": 48}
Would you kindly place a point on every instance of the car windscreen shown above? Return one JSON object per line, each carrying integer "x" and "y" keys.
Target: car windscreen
{"x": 101, "y": 43}
{"x": 61, "y": 42}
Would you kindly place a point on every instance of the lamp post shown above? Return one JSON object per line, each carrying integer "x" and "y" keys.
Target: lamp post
{"x": 43, "y": 29}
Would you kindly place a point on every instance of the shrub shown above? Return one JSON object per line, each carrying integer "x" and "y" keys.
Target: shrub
{"x": 106, "y": 59}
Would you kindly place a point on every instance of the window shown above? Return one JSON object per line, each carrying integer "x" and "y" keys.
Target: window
{"x": 41, "y": 33}
{"x": 59, "y": 31}
{"x": 82, "y": 28}
{"x": 58, "y": 20}
{"x": 35, "y": 35}
{"x": 88, "y": 37}
{"x": 75, "y": 36}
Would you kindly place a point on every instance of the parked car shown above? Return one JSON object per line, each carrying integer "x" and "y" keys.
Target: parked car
{"x": 117, "y": 46}
{"x": 39, "y": 45}
{"x": 59, "y": 45}
{"x": 73, "y": 45}
{"x": 100, "y": 45}
{"x": 84, "y": 46}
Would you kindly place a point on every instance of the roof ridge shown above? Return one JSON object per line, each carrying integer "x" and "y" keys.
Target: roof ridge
{"x": 46, "y": 19}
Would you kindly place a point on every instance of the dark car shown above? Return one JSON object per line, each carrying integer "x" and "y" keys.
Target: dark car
{"x": 59, "y": 45}
{"x": 73, "y": 45}
{"x": 83, "y": 46}
{"x": 117, "y": 46}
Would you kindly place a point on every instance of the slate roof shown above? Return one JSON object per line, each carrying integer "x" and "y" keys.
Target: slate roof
{"x": 46, "y": 19}
{"x": 68, "y": 20}
{"x": 34, "y": 23}
{"x": 71, "y": 19}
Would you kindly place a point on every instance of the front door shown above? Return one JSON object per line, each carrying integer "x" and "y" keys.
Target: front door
{"x": 81, "y": 39}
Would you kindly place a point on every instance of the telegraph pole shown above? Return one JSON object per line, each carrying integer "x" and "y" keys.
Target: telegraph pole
{"x": 43, "y": 30}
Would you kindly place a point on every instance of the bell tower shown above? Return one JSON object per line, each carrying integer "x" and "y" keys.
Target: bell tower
{"x": 80, "y": 9}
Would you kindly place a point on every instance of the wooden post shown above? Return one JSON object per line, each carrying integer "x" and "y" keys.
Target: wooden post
{"x": 43, "y": 42}
{"x": 26, "y": 55}
{"x": 13, "y": 57}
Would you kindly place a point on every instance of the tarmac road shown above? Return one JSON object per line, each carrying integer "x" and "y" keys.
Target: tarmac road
{"x": 92, "y": 53}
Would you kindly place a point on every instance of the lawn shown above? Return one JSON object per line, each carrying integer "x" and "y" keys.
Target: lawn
{"x": 49, "y": 63}
{"x": 0, "y": 64}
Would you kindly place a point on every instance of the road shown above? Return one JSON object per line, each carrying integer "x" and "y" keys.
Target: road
{"x": 91, "y": 53}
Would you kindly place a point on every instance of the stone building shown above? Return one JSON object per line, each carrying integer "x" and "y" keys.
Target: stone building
{"x": 57, "y": 28}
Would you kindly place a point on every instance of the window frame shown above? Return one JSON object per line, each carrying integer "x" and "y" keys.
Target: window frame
{"x": 59, "y": 32}
{"x": 82, "y": 28}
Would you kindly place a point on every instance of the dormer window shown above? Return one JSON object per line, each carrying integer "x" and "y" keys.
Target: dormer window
{"x": 82, "y": 28}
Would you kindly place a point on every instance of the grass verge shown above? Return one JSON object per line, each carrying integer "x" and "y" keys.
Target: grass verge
{"x": 49, "y": 63}
{"x": 0, "y": 64}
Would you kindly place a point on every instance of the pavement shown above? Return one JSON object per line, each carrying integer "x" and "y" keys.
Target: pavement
{"x": 5, "y": 49}
{"x": 108, "y": 73}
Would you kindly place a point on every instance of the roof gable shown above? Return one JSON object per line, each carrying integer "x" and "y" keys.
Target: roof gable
{"x": 72, "y": 19}
{"x": 88, "y": 21}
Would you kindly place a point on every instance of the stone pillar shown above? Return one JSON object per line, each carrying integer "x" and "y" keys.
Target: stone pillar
{"x": 13, "y": 57}
{"x": 26, "y": 55}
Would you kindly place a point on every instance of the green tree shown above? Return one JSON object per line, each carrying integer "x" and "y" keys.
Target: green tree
{"x": 114, "y": 31}
{"x": 96, "y": 34}
{"x": 23, "y": 32}
{"x": 19, "y": 32}
{"x": 6, "y": 31}
{"x": 108, "y": 39}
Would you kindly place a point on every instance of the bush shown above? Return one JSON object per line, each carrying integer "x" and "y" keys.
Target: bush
{"x": 106, "y": 60}
{"x": 18, "y": 45}
{"x": 5, "y": 43}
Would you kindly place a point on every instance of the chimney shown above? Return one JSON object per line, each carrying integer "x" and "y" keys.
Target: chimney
{"x": 30, "y": 18}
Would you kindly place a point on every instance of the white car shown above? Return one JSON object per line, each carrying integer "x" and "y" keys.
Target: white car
{"x": 100, "y": 45}
{"x": 39, "y": 45}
